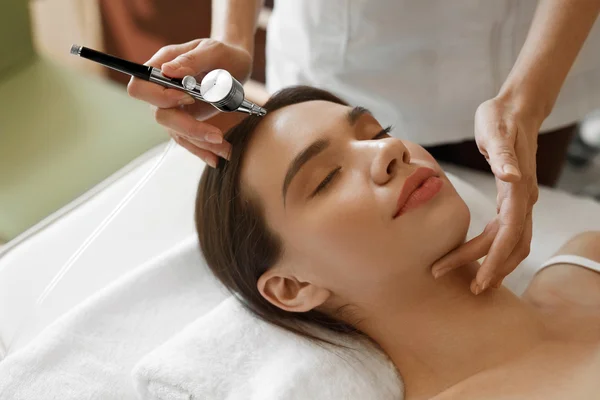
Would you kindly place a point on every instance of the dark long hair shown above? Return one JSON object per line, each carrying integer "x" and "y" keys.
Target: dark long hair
{"x": 235, "y": 240}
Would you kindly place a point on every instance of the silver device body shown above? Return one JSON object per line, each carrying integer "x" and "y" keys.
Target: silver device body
{"x": 217, "y": 88}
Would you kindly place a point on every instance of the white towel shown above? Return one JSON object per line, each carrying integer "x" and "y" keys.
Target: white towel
{"x": 230, "y": 354}
{"x": 89, "y": 352}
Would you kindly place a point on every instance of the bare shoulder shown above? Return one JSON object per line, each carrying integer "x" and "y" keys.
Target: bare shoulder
{"x": 568, "y": 284}
{"x": 554, "y": 371}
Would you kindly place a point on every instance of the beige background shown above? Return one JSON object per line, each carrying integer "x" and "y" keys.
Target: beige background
{"x": 58, "y": 24}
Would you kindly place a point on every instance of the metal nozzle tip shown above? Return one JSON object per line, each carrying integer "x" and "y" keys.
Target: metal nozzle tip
{"x": 262, "y": 112}
{"x": 76, "y": 49}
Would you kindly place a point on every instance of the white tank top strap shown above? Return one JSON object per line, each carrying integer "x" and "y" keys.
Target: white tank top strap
{"x": 572, "y": 259}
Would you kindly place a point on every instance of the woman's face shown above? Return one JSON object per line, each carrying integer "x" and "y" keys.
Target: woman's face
{"x": 332, "y": 182}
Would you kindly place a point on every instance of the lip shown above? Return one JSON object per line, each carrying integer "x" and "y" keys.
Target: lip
{"x": 412, "y": 183}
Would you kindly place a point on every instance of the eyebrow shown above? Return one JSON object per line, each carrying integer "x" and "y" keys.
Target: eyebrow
{"x": 354, "y": 114}
{"x": 314, "y": 149}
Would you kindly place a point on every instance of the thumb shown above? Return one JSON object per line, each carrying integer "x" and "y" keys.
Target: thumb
{"x": 503, "y": 160}
{"x": 193, "y": 62}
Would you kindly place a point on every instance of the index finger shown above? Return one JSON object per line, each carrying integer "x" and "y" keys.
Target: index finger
{"x": 170, "y": 52}
{"x": 520, "y": 252}
{"x": 512, "y": 221}
{"x": 155, "y": 94}
{"x": 472, "y": 250}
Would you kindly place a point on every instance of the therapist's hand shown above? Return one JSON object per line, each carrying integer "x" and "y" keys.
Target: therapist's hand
{"x": 506, "y": 135}
{"x": 178, "y": 111}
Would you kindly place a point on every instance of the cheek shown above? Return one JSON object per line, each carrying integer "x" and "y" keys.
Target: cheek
{"x": 340, "y": 234}
{"x": 340, "y": 225}
{"x": 351, "y": 240}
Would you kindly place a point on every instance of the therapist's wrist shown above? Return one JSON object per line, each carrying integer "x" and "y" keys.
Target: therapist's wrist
{"x": 240, "y": 44}
{"x": 525, "y": 105}
{"x": 232, "y": 37}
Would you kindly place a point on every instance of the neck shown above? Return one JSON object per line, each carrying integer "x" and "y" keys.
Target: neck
{"x": 449, "y": 334}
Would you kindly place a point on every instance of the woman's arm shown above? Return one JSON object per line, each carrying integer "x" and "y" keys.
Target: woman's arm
{"x": 506, "y": 130}
{"x": 234, "y": 22}
{"x": 557, "y": 33}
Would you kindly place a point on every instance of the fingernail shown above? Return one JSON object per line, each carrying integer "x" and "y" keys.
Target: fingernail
{"x": 213, "y": 138}
{"x": 485, "y": 284}
{"x": 511, "y": 170}
{"x": 473, "y": 287}
{"x": 223, "y": 154}
{"x": 440, "y": 272}
{"x": 211, "y": 162}
{"x": 187, "y": 100}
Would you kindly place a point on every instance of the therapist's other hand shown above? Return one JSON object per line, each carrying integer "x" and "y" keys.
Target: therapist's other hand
{"x": 178, "y": 111}
{"x": 506, "y": 135}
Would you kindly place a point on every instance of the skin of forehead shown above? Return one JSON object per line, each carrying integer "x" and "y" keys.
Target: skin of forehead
{"x": 298, "y": 120}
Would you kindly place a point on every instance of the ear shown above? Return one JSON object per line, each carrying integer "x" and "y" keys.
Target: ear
{"x": 288, "y": 293}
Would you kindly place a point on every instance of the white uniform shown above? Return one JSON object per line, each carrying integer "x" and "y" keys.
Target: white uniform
{"x": 422, "y": 65}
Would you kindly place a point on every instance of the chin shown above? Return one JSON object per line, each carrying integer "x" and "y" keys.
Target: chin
{"x": 448, "y": 225}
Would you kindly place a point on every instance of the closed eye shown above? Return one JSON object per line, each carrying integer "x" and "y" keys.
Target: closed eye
{"x": 325, "y": 182}
{"x": 382, "y": 134}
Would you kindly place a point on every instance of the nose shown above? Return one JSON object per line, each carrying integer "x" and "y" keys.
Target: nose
{"x": 389, "y": 157}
